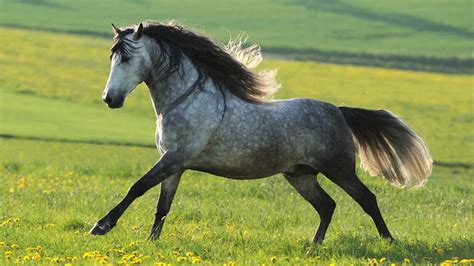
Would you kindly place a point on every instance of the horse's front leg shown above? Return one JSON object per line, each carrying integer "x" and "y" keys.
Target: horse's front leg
{"x": 166, "y": 167}
{"x": 168, "y": 190}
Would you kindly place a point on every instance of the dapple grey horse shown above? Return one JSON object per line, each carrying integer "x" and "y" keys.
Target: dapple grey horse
{"x": 213, "y": 117}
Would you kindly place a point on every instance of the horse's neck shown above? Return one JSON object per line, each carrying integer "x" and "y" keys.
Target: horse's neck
{"x": 167, "y": 93}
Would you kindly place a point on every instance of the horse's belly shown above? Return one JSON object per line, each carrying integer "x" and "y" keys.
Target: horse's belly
{"x": 237, "y": 173}
{"x": 241, "y": 165}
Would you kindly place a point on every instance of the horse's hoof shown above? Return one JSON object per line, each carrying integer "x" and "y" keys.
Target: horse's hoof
{"x": 98, "y": 229}
{"x": 154, "y": 234}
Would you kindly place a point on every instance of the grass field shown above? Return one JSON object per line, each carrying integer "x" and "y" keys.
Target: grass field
{"x": 364, "y": 32}
{"x": 58, "y": 181}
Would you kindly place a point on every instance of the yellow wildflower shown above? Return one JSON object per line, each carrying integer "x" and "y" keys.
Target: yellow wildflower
{"x": 2, "y": 244}
{"x": 21, "y": 184}
{"x": 181, "y": 258}
{"x": 48, "y": 226}
{"x": 406, "y": 260}
{"x": 101, "y": 260}
{"x": 35, "y": 256}
{"x": 88, "y": 255}
{"x": 382, "y": 260}
{"x": 189, "y": 254}
{"x": 196, "y": 259}
{"x": 273, "y": 259}
{"x": 137, "y": 261}
{"x": 8, "y": 254}
{"x": 14, "y": 246}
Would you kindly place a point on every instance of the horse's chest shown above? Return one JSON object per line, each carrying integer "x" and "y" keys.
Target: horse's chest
{"x": 166, "y": 140}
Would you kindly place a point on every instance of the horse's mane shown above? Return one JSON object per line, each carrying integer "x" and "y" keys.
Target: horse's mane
{"x": 228, "y": 66}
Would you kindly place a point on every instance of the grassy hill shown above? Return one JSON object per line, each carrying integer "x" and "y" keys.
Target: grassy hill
{"x": 408, "y": 34}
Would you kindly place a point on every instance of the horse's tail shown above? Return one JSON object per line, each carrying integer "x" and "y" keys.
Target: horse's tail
{"x": 388, "y": 147}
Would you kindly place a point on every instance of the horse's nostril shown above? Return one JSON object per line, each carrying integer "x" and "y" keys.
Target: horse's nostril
{"x": 107, "y": 99}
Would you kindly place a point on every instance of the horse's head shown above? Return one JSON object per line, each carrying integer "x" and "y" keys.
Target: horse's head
{"x": 129, "y": 63}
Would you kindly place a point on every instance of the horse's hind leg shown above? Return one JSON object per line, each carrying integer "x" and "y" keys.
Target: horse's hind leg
{"x": 343, "y": 174}
{"x": 309, "y": 189}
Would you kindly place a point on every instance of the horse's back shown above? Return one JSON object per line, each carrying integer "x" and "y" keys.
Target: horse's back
{"x": 317, "y": 129}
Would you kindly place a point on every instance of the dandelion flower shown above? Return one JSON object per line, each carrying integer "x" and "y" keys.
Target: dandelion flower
{"x": 137, "y": 261}
{"x": 48, "y": 226}
{"x": 21, "y": 184}
{"x": 196, "y": 259}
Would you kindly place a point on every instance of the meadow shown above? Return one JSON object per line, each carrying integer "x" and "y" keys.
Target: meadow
{"x": 432, "y": 35}
{"x": 66, "y": 159}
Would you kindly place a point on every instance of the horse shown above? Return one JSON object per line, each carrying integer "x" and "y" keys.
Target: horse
{"x": 214, "y": 115}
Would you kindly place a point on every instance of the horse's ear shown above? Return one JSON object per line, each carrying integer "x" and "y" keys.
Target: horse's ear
{"x": 115, "y": 29}
{"x": 138, "y": 32}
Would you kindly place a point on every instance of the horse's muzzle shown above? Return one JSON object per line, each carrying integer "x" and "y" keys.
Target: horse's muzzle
{"x": 113, "y": 103}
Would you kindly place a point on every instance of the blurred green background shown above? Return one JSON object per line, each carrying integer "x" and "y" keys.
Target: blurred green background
{"x": 421, "y": 33}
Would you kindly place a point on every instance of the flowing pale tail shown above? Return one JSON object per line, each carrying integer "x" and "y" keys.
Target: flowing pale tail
{"x": 387, "y": 147}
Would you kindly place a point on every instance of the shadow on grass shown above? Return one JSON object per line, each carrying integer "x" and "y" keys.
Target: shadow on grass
{"x": 373, "y": 247}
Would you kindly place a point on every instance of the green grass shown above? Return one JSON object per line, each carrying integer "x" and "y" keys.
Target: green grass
{"x": 219, "y": 220}
{"x": 53, "y": 191}
{"x": 31, "y": 116}
{"x": 437, "y": 28}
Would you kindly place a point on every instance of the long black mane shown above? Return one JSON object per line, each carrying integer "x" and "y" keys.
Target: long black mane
{"x": 210, "y": 59}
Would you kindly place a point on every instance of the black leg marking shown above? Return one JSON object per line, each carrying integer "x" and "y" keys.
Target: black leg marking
{"x": 310, "y": 190}
{"x": 168, "y": 190}
{"x": 366, "y": 199}
{"x": 163, "y": 169}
